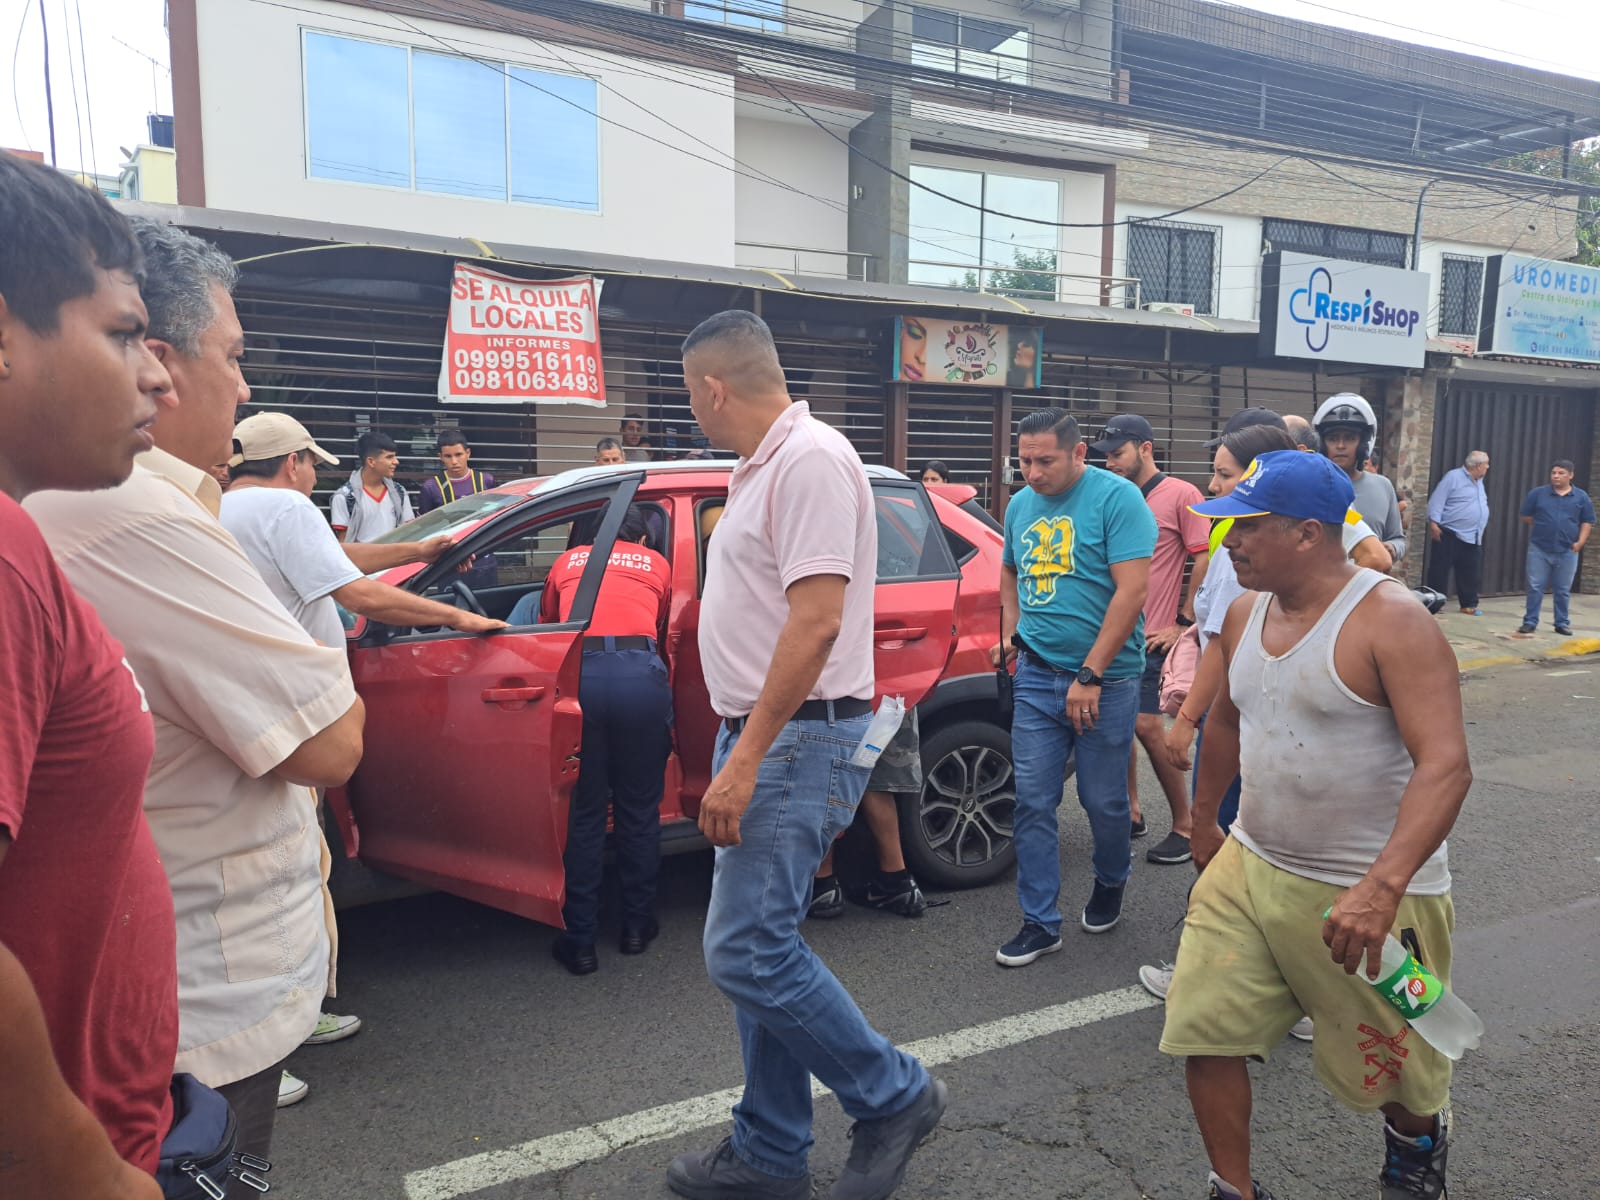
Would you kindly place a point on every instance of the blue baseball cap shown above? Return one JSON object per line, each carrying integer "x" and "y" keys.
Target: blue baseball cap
{"x": 1287, "y": 483}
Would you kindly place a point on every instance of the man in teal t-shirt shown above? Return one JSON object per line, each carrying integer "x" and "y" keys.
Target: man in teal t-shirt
{"x": 1078, "y": 544}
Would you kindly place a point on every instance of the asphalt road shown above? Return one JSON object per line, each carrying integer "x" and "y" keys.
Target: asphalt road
{"x": 475, "y": 1041}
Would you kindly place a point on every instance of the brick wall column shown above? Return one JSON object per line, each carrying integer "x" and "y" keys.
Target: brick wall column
{"x": 1409, "y": 460}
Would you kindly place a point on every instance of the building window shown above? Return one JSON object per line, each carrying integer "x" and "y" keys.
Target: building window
{"x": 1460, "y": 295}
{"x": 397, "y": 117}
{"x": 1175, "y": 263}
{"x": 971, "y": 230}
{"x": 765, "y": 15}
{"x": 949, "y": 41}
{"x": 1337, "y": 241}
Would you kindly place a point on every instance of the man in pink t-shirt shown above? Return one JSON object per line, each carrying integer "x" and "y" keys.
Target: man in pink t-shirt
{"x": 786, "y": 643}
{"x": 1129, "y": 447}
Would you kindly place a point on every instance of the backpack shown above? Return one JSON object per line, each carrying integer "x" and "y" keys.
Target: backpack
{"x": 1177, "y": 673}
{"x": 348, "y": 491}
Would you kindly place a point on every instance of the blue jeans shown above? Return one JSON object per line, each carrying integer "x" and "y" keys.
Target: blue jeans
{"x": 627, "y": 717}
{"x": 795, "y": 1019}
{"x": 1229, "y": 809}
{"x": 1042, "y": 739}
{"x": 1555, "y": 571}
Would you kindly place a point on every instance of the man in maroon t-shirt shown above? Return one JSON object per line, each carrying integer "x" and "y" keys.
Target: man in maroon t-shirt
{"x": 1129, "y": 447}
{"x": 627, "y": 717}
{"x": 88, "y": 966}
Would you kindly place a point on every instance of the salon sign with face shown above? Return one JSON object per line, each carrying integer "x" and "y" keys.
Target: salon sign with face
{"x": 966, "y": 353}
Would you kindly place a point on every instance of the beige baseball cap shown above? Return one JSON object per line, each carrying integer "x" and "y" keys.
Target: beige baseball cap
{"x": 267, "y": 435}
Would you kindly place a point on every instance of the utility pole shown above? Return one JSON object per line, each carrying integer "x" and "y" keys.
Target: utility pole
{"x": 49, "y": 100}
{"x": 1416, "y": 230}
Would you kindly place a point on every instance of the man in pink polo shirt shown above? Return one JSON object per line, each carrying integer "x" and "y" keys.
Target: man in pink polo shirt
{"x": 786, "y": 642}
{"x": 1129, "y": 447}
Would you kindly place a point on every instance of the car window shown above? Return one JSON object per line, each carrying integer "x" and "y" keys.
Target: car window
{"x": 962, "y": 549}
{"x": 707, "y": 514}
{"x": 508, "y": 577}
{"x": 911, "y": 541}
{"x": 973, "y": 509}
{"x": 452, "y": 519}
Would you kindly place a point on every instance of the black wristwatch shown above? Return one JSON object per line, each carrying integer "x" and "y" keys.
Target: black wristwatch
{"x": 1088, "y": 678}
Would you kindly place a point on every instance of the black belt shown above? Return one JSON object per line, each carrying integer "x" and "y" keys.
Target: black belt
{"x": 813, "y": 710}
{"x": 1016, "y": 640}
{"x": 594, "y": 645}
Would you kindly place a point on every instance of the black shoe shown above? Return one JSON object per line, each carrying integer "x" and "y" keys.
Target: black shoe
{"x": 897, "y": 895}
{"x": 1174, "y": 848}
{"x": 637, "y": 936}
{"x": 577, "y": 957}
{"x": 827, "y": 898}
{"x": 1413, "y": 1168}
{"x": 1104, "y": 908}
{"x": 1564, "y": 630}
{"x": 1139, "y": 829}
{"x": 881, "y": 1150}
{"x": 1525, "y": 627}
{"x": 720, "y": 1174}
{"x": 1031, "y": 942}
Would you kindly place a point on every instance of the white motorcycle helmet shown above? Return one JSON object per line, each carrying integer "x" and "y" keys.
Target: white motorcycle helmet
{"x": 1347, "y": 411}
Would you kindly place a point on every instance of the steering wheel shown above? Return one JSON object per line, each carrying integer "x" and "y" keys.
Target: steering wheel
{"x": 467, "y": 597}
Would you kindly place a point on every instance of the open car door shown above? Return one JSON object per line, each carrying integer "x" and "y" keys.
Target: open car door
{"x": 472, "y": 741}
{"x": 914, "y": 607}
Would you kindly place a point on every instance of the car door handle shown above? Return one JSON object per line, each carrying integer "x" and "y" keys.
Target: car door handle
{"x": 511, "y": 695}
{"x": 897, "y": 637}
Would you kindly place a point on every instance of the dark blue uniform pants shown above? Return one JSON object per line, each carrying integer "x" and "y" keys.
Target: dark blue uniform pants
{"x": 627, "y": 713}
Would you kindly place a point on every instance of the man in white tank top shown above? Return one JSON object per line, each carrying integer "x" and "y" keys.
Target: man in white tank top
{"x": 1326, "y": 663}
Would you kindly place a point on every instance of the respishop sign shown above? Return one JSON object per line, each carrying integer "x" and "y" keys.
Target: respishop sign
{"x": 1326, "y": 308}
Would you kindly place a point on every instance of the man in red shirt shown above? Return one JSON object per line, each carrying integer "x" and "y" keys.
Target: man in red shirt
{"x": 627, "y": 721}
{"x": 88, "y": 961}
{"x": 1129, "y": 447}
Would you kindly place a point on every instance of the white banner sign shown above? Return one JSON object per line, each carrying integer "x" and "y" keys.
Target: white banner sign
{"x": 1348, "y": 312}
{"x": 1542, "y": 309}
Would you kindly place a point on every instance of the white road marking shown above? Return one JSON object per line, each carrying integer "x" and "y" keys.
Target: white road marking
{"x": 563, "y": 1151}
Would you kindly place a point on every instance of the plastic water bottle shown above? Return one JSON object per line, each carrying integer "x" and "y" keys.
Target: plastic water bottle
{"x": 1430, "y": 1008}
{"x": 885, "y": 724}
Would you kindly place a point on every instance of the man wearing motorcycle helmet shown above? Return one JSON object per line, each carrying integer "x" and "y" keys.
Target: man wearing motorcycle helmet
{"x": 1347, "y": 426}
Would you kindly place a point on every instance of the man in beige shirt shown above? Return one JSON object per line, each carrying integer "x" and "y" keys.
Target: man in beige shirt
{"x": 250, "y": 713}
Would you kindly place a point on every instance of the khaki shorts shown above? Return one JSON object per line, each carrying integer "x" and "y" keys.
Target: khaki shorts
{"x": 1252, "y": 962}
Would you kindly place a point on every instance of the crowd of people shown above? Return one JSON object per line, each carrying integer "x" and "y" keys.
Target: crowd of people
{"x": 165, "y": 933}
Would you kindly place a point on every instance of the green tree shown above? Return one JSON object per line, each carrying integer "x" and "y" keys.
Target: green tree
{"x": 1030, "y": 276}
{"x": 1582, "y": 167}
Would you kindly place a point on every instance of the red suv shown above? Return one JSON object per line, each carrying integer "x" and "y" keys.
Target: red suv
{"x": 472, "y": 742}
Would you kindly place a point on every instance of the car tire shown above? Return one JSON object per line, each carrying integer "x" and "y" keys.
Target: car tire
{"x": 956, "y": 833}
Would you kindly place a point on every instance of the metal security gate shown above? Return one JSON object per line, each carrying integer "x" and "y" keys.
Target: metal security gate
{"x": 344, "y": 366}
{"x": 1523, "y": 430}
{"x": 1186, "y": 406}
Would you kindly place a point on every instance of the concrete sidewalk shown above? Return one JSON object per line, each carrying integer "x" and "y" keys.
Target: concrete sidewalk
{"x": 1492, "y": 640}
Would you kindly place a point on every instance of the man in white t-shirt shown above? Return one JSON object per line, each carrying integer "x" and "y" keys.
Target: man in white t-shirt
{"x": 268, "y": 510}
{"x": 371, "y": 503}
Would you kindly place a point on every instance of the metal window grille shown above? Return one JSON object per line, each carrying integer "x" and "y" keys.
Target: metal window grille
{"x": 1460, "y": 294}
{"x": 1337, "y": 241}
{"x": 1174, "y": 263}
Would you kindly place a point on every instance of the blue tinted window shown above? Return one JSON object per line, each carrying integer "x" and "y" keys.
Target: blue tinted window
{"x": 765, "y": 15}
{"x": 459, "y": 121}
{"x": 356, "y": 113}
{"x": 554, "y": 140}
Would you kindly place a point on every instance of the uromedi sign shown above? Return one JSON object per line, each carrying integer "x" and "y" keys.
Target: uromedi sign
{"x": 522, "y": 341}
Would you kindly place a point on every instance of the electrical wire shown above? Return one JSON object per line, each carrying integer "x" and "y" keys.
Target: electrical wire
{"x": 16, "y": 52}
{"x": 72, "y": 79}
{"x": 88, "y": 106}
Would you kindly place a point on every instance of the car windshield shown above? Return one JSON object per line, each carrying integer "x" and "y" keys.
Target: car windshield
{"x": 454, "y": 518}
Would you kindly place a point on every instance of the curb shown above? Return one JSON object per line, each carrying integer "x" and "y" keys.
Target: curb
{"x": 1572, "y": 648}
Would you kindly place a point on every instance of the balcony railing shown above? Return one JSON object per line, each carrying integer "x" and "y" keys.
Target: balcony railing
{"x": 1026, "y": 283}
{"x": 802, "y": 260}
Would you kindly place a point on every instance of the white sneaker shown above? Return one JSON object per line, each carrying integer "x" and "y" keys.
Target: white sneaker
{"x": 333, "y": 1028}
{"x": 292, "y": 1090}
{"x": 1156, "y": 980}
{"x": 1302, "y": 1029}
